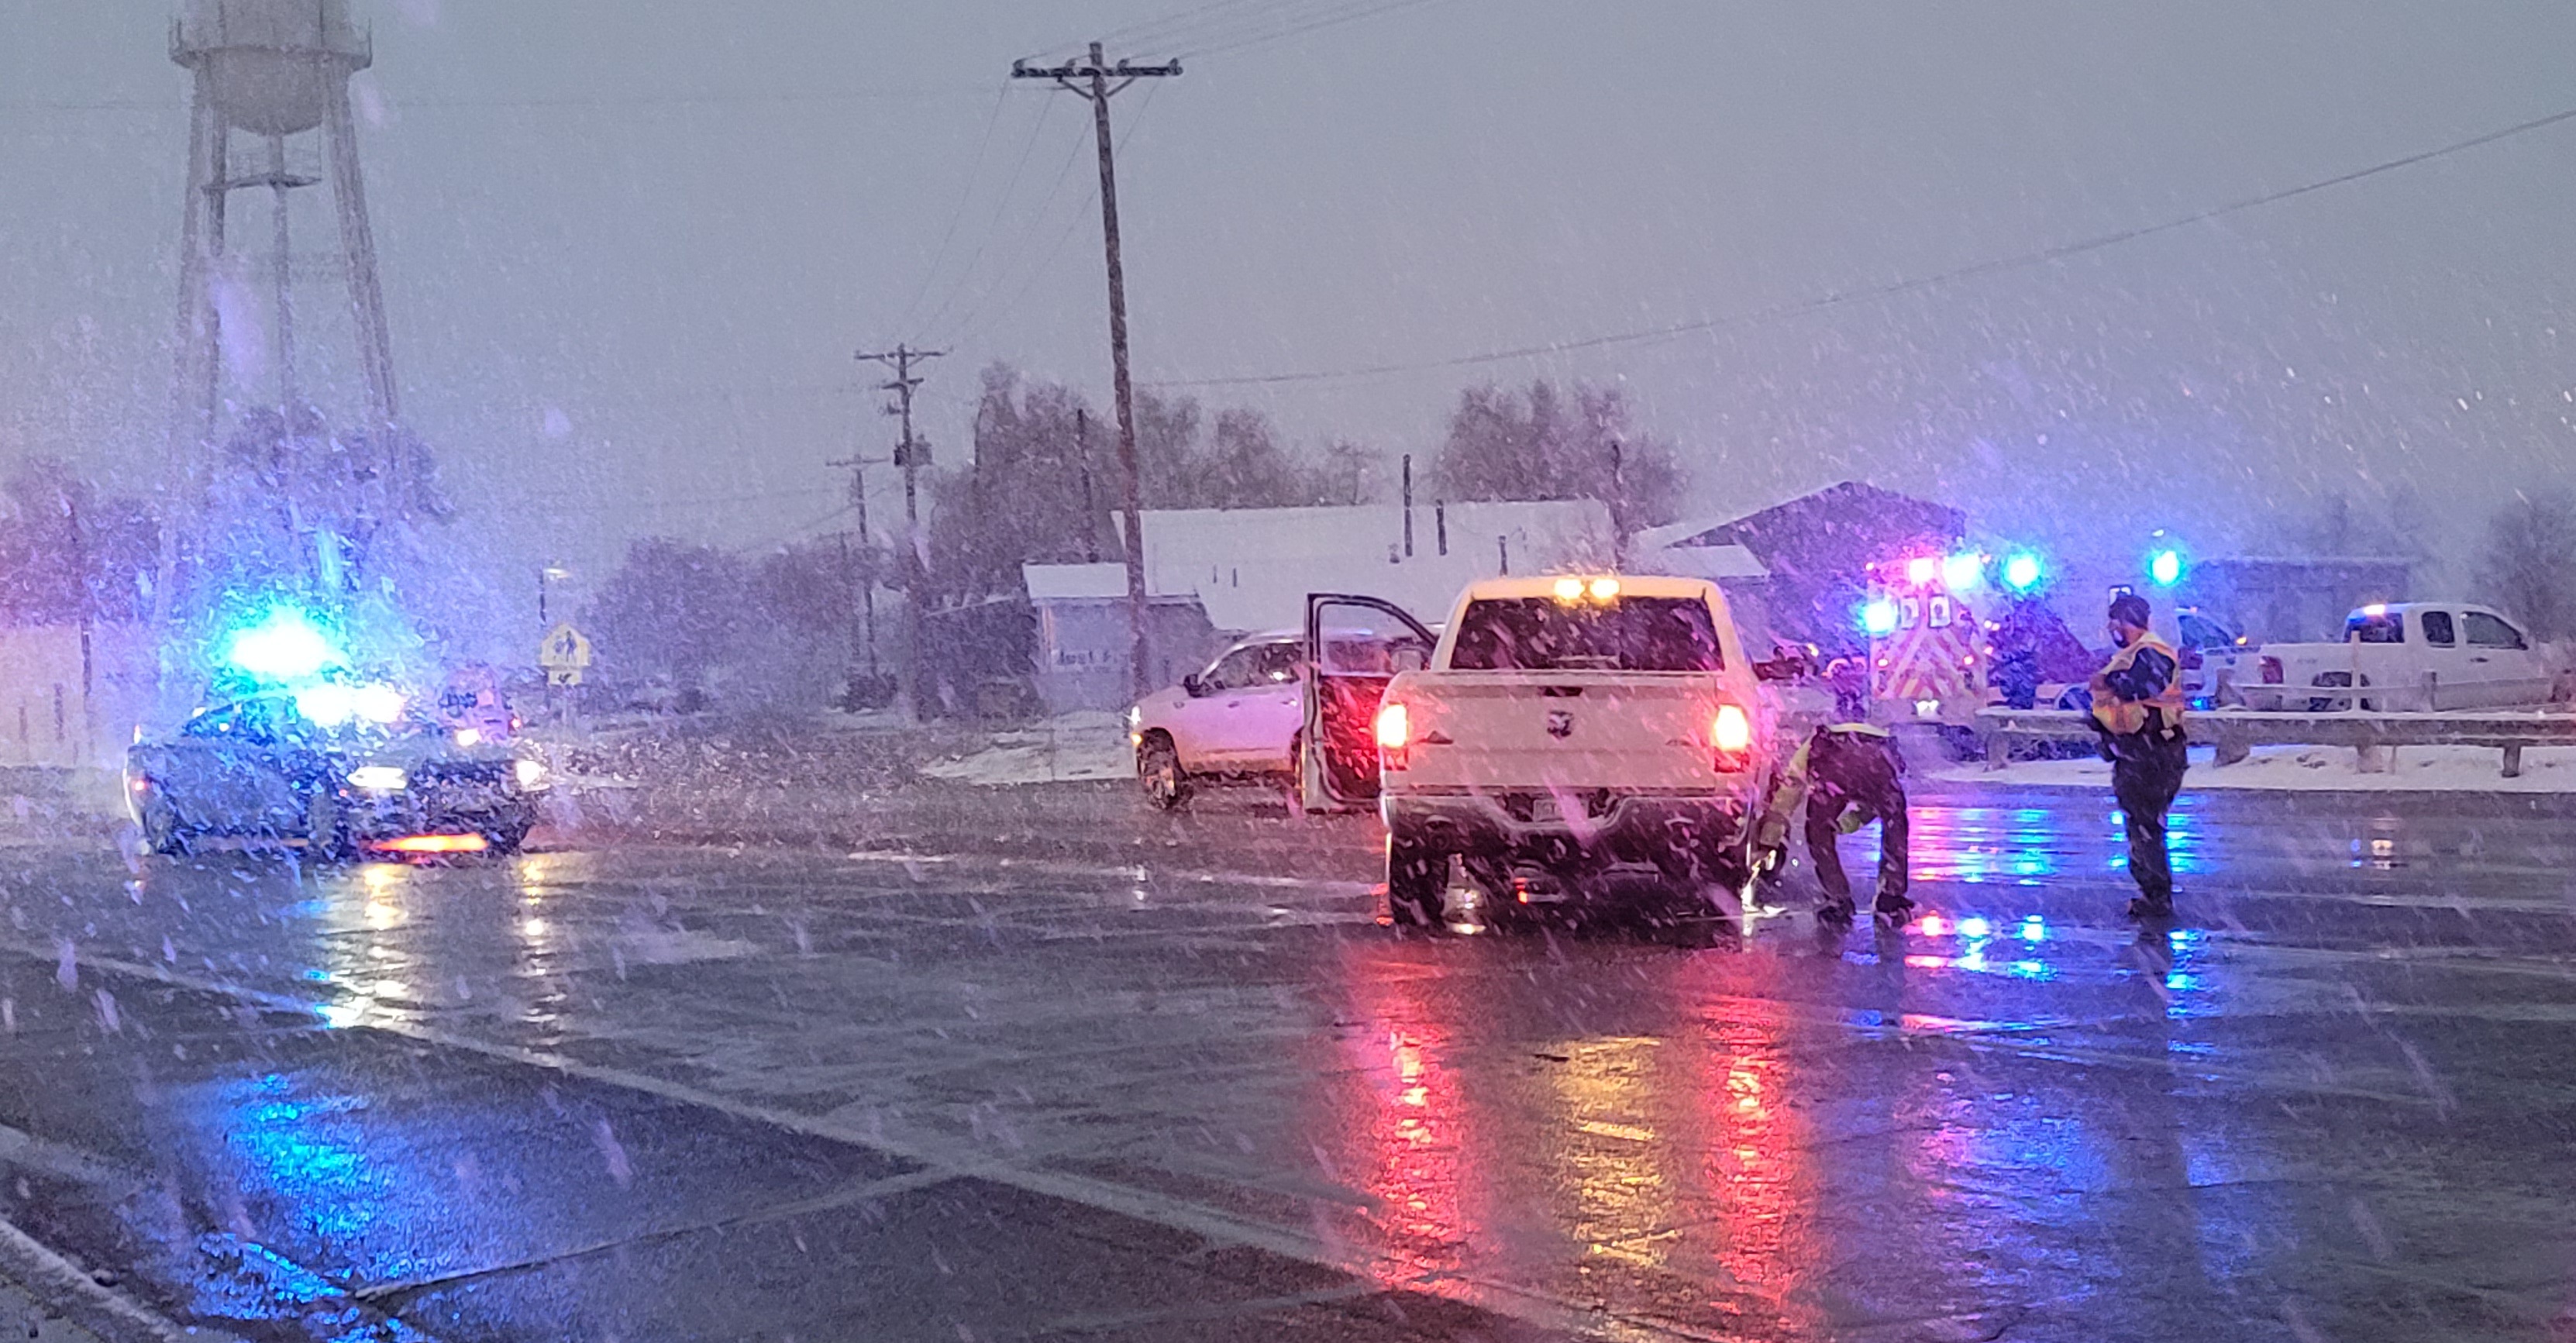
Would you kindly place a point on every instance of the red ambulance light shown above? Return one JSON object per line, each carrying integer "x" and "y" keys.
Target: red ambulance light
{"x": 1921, "y": 570}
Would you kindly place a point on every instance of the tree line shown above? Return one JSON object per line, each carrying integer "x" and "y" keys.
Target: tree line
{"x": 1043, "y": 485}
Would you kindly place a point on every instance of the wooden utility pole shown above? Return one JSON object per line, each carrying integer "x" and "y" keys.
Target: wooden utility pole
{"x": 1090, "y": 80}
{"x": 910, "y": 455}
{"x": 865, "y": 574}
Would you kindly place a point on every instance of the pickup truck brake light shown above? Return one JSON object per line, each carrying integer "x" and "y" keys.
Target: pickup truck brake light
{"x": 1732, "y": 734}
{"x": 1394, "y": 734}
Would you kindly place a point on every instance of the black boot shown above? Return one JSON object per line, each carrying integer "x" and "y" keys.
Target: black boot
{"x": 1894, "y": 909}
{"x": 2151, "y": 907}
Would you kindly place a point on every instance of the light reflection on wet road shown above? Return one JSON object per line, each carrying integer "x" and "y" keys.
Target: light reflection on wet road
{"x": 685, "y": 1093}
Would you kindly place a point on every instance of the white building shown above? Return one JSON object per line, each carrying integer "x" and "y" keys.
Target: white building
{"x": 1249, "y": 570}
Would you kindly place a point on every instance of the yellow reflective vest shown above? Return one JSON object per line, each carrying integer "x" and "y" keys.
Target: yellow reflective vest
{"x": 2127, "y": 717}
{"x": 1789, "y": 789}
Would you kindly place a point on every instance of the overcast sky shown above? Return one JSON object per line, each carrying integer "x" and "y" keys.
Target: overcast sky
{"x": 630, "y": 245}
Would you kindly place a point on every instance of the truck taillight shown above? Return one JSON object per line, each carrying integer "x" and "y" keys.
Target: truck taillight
{"x": 2271, "y": 668}
{"x": 1394, "y": 734}
{"x": 1732, "y": 734}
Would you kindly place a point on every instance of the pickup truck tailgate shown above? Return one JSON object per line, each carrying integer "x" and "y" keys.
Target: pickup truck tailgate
{"x": 1625, "y": 730}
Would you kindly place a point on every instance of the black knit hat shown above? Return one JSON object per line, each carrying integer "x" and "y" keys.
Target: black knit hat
{"x": 2131, "y": 609}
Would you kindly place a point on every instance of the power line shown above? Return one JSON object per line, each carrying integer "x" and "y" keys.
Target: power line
{"x": 1349, "y": 13}
{"x": 974, "y": 174}
{"x": 1147, "y": 32}
{"x": 405, "y": 104}
{"x": 1064, "y": 236}
{"x": 993, "y": 227}
{"x": 1847, "y": 297}
{"x": 1031, "y": 227}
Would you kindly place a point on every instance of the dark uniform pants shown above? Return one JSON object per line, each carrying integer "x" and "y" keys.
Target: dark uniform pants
{"x": 1847, "y": 771}
{"x": 2145, "y": 775}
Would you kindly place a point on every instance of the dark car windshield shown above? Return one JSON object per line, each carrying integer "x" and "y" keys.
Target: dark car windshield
{"x": 1640, "y": 634}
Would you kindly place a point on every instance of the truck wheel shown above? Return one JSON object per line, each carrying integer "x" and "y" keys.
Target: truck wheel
{"x": 511, "y": 835}
{"x": 1158, "y": 767}
{"x": 1415, "y": 882}
{"x": 163, "y": 833}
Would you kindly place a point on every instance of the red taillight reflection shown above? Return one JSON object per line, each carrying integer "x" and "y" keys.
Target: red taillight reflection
{"x": 432, "y": 844}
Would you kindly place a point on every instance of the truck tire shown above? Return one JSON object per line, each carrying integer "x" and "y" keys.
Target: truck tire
{"x": 1416, "y": 882}
{"x": 511, "y": 835}
{"x": 1158, "y": 768}
{"x": 163, "y": 832}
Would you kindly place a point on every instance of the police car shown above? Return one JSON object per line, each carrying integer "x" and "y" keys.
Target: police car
{"x": 344, "y": 769}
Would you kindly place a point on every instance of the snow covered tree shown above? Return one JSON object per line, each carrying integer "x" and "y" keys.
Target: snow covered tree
{"x": 1543, "y": 444}
{"x": 69, "y": 553}
{"x": 2530, "y": 562}
{"x": 1039, "y": 490}
{"x": 672, "y": 609}
{"x": 1238, "y": 463}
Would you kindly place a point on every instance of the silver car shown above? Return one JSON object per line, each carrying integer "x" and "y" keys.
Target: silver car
{"x": 263, "y": 767}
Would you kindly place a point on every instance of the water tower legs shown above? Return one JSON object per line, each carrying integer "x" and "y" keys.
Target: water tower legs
{"x": 358, "y": 241}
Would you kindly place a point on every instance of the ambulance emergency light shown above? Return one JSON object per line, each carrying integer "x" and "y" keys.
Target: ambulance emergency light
{"x": 2023, "y": 570}
{"x": 2165, "y": 561}
{"x": 1878, "y": 617}
{"x": 1961, "y": 572}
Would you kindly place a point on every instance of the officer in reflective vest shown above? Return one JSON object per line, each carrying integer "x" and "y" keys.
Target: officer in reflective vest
{"x": 1847, "y": 774}
{"x": 2138, "y": 709}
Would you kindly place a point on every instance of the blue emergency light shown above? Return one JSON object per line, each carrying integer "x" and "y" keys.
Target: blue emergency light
{"x": 1963, "y": 571}
{"x": 2165, "y": 563}
{"x": 2022, "y": 571}
{"x": 1878, "y": 617}
{"x": 286, "y": 645}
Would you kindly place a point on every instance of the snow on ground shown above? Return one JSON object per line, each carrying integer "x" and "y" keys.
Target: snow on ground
{"x": 1071, "y": 748}
{"x": 2432, "y": 769}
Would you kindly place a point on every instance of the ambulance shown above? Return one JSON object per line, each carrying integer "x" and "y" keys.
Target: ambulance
{"x": 1927, "y": 650}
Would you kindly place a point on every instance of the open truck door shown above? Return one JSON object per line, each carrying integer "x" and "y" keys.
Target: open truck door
{"x": 1354, "y": 647}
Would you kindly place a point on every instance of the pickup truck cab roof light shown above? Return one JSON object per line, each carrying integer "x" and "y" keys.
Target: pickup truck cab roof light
{"x": 1574, "y": 588}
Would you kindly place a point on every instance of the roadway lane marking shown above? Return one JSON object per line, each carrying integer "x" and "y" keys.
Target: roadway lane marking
{"x": 1387, "y": 1272}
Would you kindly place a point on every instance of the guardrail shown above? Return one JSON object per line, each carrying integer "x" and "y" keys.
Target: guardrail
{"x": 2236, "y": 732}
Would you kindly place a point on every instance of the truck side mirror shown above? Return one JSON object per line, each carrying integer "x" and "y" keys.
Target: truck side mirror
{"x": 1193, "y": 686}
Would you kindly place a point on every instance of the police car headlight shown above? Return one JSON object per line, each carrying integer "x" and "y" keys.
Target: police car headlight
{"x": 531, "y": 774}
{"x": 378, "y": 779}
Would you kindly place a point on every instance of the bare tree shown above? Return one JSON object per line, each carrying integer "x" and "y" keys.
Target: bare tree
{"x": 2530, "y": 561}
{"x": 1540, "y": 444}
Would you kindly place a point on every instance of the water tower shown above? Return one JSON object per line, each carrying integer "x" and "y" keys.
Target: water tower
{"x": 283, "y": 485}
{"x": 270, "y": 75}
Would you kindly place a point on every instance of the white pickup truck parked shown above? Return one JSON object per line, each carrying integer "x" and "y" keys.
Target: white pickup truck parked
{"x": 2405, "y": 657}
{"x": 1563, "y": 729}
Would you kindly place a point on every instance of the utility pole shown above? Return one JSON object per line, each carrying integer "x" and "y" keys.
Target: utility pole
{"x": 1090, "y": 504}
{"x": 909, "y": 455}
{"x": 866, "y": 577}
{"x": 1090, "y": 80}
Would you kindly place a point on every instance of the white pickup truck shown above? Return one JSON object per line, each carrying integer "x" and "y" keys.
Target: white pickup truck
{"x": 2405, "y": 657}
{"x": 1563, "y": 729}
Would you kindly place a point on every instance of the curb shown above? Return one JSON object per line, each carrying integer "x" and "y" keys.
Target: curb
{"x": 61, "y": 1287}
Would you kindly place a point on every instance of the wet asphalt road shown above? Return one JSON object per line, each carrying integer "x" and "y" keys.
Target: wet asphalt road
{"x": 633, "y": 1092}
